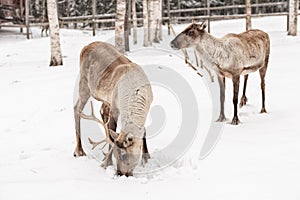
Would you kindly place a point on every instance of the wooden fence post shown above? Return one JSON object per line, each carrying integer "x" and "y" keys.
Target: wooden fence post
{"x": 27, "y": 17}
{"x": 21, "y": 14}
{"x": 208, "y": 14}
{"x": 293, "y": 14}
{"x": 169, "y": 16}
{"x": 94, "y": 13}
{"x": 248, "y": 15}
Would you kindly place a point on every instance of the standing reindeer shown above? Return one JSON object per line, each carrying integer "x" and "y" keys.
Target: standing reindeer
{"x": 123, "y": 87}
{"x": 231, "y": 56}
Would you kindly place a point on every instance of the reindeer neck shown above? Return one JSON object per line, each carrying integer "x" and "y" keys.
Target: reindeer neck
{"x": 212, "y": 47}
{"x": 135, "y": 97}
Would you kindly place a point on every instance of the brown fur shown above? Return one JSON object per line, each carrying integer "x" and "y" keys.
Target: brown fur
{"x": 110, "y": 77}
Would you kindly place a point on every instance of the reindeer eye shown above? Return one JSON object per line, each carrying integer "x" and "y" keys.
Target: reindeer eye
{"x": 130, "y": 139}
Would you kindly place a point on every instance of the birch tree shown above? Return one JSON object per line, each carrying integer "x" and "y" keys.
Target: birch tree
{"x": 145, "y": 22}
{"x": 56, "y": 56}
{"x": 293, "y": 14}
{"x": 150, "y": 21}
{"x": 160, "y": 19}
{"x": 134, "y": 20}
{"x": 152, "y": 13}
{"x": 156, "y": 20}
{"x": 127, "y": 24}
{"x": 119, "y": 25}
{"x": 248, "y": 15}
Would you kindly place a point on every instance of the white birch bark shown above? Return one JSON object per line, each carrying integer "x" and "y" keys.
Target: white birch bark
{"x": 134, "y": 20}
{"x": 156, "y": 18}
{"x": 160, "y": 20}
{"x": 145, "y": 22}
{"x": 56, "y": 56}
{"x": 293, "y": 14}
{"x": 119, "y": 25}
{"x": 151, "y": 25}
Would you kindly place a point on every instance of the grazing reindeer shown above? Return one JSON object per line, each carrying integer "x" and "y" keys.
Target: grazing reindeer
{"x": 230, "y": 56}
{"x": 123, "y": 87}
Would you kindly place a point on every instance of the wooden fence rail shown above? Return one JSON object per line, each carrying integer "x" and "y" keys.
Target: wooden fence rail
{"x": 106, "y": 21}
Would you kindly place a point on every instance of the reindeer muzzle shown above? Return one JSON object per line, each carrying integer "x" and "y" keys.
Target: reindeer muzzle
{"x": 174, "y": 45}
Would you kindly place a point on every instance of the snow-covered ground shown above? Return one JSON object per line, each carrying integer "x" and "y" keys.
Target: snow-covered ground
{"x": 258, "y": 159}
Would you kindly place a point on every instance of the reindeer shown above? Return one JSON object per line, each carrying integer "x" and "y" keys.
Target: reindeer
{"x": 230, "y": 56}
{"x": 123, "y": 87}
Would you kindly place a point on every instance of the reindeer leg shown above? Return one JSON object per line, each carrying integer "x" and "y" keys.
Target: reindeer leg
{"x": 244, "y": 99}
{"x": 84, "y": 95}
{"x": 221, "y": 80}
{"x": 77, "y": 110}
{"x": 236, "y": 84}
{"x": 145, "y": 152}
{"x": 262, "y": 73}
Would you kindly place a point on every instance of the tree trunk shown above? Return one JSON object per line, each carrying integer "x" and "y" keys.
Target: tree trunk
{"x": 293, "y": 13}
{"x": 169, "y": 16}
{"x": 134, "y": 36}
{"x": 178, "y": 7}
{"x": 56, "y": 56}
{"x": 156, "y": 19}
{"x": 37, "y": 8}
{"x": 145, "y": 22}
{"x": 208, "y": 14}
{"x": 27, "y": 17}
{"x": 119, "y": 25}
{"x": 94, "y": 13}
{"x": 161, "y": 9}
{"x": 68, "y": 8}
{"x": 151, "y": 20}
{"x": 248, "y": 15}
{"x": 127, "y": 24}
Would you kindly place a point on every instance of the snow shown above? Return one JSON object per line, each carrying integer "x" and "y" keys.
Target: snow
{"x": 258, "y": 159}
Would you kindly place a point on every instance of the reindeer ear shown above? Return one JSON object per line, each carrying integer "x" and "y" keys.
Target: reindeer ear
{"x": 113, "y": 134}
{"x": 203, "y": 25}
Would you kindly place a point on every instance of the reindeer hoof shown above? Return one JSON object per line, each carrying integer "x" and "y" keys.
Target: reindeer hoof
{"x": 145, "y": 158}
{"x": 235, "y": 121}
{"x": 263, "y": 110}
{"x": 243, "y": 101}
{"x": 221, "y": 118}
{"x": 78, "y": 153}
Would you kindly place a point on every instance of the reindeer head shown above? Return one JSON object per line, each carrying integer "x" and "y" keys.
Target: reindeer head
{"x": 127, "y": 151}
{"x": 126, "y": 146}
{"x": 189, "y": 37}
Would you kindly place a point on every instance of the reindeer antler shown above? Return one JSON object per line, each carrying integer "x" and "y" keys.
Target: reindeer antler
{"x": 107, "y": 140}
{"x": 94, "y": 118}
